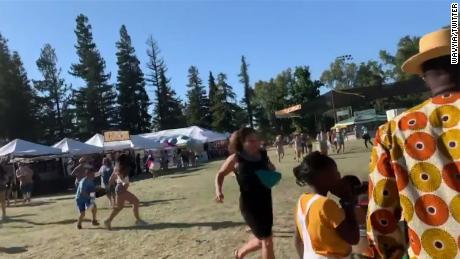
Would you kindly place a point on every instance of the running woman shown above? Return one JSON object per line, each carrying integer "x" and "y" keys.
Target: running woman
{"x": 121, "y": 178}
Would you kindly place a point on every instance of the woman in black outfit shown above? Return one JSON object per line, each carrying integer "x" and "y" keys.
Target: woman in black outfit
{"x": 255, "y": 198}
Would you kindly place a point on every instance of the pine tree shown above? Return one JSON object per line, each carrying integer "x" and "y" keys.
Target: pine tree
{"x": 18, "y": 107}
{"x": 95, "y": 102}
{"x": 54, "y": 97}
{"x": 198, "y": 103}
{"x": 211, "y": 96}
{"x": 132, "y": 99}
{"x": 248, "y": 92}
{"x": 172, "y": 108}
{"x": 168, "y": 108}
{"x": 223, "y": 108}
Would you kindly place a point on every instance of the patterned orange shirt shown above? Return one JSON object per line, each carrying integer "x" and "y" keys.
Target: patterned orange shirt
{"x": 414, "y": 176}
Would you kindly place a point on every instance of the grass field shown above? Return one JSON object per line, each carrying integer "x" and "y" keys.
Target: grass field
{"x": 184, "y": 221}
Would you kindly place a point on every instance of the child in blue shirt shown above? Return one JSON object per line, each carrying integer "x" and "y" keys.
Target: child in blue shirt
{"x": 85, "y": 198}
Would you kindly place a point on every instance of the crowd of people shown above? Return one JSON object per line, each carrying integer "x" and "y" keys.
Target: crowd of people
{"x": 414, "y": 178}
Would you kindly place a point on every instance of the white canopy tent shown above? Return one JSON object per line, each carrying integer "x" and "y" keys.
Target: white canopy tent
{"x": 19, "y": 148}
{"x": 136, "y": 142}
{"x": 77, "y": 148}
{"x": 195, "y": 133}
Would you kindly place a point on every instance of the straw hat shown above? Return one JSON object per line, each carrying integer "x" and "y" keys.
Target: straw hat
{"x": 432, "y": 45}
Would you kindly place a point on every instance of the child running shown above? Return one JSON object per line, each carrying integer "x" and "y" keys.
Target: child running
{"x": 121, "y": 178}
{"x": 86, "y": 197}
{"x": 324, "y": 230}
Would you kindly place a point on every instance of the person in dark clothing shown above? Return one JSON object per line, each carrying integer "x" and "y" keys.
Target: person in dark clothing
{"x": 138, "y": 164}
{"x": 255, "y": 199}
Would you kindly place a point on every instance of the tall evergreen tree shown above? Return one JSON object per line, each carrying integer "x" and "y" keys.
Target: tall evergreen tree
{"x": 168, "y": 108}
{"x": 224, "y": 107}
{"x": 54, "y": 97}
{"x": 198, "y": 103}
{"x": 17, "y": 99}
{"x": 132, "y": 99}
{"x": 211, "y": 95}
{"x": 95, "y": 102}
{"x": 248, "y": 91}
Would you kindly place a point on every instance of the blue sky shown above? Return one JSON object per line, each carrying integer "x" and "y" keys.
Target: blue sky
{"x": 212, "y": 35}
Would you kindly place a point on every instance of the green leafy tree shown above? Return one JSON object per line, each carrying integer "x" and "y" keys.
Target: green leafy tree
{"x": 340, "y": 75}
{"x": 407, "y": 47}
{"x": 95, "y": 102}
{"x": 370, "y": 74}
{"x": 54, "y": 97}
{"x": 18, "y": 107}
{"x": 269, "y": 97}
{"x": 303, "y": 89}
{"x": 344, "y": 75}
{"x": 198, "y": 110}
{"x": 223, "y": 106}
{"x": 132, "y": 99}
{"x": 248, "y": 91}
{"x": 167, "y": 107}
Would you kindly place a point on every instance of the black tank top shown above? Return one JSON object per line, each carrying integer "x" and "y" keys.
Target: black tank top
{"x": 246, "y": 173}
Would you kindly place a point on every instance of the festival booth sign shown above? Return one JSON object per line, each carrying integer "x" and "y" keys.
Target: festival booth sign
{"x": 76, "y": 148}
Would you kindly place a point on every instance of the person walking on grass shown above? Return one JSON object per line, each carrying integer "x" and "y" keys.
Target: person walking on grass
{"x": 415, "y": 168}
{"x": 106, "y": 171}
{"x": 3, "y": 187}
{"x": 120, "y": 177}
{"x": 25, "y": 177}
{"x": 279, "y": 144}
{"x": 255, "y": 199}
{"x": 340, "y": 141}
{"x": 297, "y": 147}
{"x": 85, "y": 198}
{"x": 323, "y": 229}
{"x": 366, "y": 136}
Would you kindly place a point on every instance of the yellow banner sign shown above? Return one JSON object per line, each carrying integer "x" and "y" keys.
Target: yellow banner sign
{"x": 110, "y": 136}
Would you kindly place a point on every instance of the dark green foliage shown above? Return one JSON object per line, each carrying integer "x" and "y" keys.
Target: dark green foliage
{"x": 168, "y": 107}
{"x": 198, "y": 110}
{"x": 248, "y": 91}
{"x": 343, "y": 75}
{"x": 55, "y": 114}
{"x": 302, "y": 90}
{"x": 224, "y": 106}
{"x": 18, "y": 106}
{"x": 95, "y": 102}
{"x": 133, "y": 100}
{"x": 407, "y": 47}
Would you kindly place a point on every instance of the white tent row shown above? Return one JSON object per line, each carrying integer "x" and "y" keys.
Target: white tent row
{"x": 19, "y": 148}
{"x": 194, "y": 133}
{"x": 136, "y": 142}
{"x": 77, "y": 148}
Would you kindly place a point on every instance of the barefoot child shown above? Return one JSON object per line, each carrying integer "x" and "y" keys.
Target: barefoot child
{"x": 323, "y": 229}
{"x": 121, "y": 178}
{"x": 85, "y": 198}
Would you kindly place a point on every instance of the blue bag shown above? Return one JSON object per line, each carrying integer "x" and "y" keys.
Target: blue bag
{"x": 268, "y": 178}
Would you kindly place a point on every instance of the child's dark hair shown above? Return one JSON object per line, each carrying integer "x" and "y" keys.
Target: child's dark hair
{"x": 310, "y": 166}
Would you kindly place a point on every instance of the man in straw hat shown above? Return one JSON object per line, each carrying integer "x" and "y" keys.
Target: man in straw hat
{"x": 414, "y": 164}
